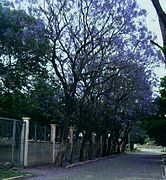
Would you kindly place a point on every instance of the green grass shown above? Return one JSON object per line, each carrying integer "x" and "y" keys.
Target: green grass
{"x": 10, "y": 173}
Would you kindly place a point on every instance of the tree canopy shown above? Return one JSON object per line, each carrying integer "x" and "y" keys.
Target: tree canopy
{"x": 86, "y": 64}
{"x": 156, "y": 125}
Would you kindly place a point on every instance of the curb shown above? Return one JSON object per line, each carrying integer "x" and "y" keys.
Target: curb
{"x": 89, "y": 161}
{"x": 18, "y": 177}
{"x": 163, "y": 157}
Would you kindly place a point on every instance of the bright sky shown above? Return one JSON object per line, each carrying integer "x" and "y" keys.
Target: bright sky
{"x": 153, "y": 25}
{"x": 152, "y": 19}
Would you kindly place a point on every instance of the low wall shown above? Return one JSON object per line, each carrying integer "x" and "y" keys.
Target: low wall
{"x": 39, "y": 153}
{"x": 75, "y": 152}
{"x": 90, "y": 151}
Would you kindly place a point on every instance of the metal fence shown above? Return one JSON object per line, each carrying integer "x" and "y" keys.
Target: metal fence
{"x": 12, "y": 136}
{"x": 39, "y": 132}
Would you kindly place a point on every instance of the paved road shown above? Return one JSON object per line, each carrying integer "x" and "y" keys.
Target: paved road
{"x": 133, "y": 166}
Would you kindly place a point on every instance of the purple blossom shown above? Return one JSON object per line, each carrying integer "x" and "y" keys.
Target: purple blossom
{"x": 142, "y": 12}
{"x": 22, "y": 23}
{"x": 25, "y": 34}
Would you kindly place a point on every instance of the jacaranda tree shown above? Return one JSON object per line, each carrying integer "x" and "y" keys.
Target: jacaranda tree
{"x": 88, "y": 44}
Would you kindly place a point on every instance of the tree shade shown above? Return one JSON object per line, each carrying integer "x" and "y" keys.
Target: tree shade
{"x": 87, "y": 61}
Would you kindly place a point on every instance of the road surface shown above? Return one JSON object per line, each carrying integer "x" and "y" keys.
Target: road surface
{"x": 132, "y": 166}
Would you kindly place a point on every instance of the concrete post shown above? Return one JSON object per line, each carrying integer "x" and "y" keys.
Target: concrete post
{"x": 53, "y": 136}
{"x": 93, "y": 137}
{"x": 71, "y": 141}
{"x": 45, "y": 133}
{"x": 129, "y": 142}
{"x": 107, "y": 144}
{"x": 71, "y": 135}
{"x": 101, "y": 145}
{"x": 13, "y": 140}
{"x": 93, "y": 141}
{"x": 26, "y": 120}
{"x": 22, "y": 144}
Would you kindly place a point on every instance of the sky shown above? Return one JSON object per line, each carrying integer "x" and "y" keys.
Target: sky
{"x": 153, "y": 24}
{"x": 152, "y": 18}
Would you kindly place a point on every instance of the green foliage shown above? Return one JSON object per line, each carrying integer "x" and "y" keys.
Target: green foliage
{"x": 20, "y": 52}
{"x": 156, "y": 125}
{"x": 156, "y": 128}
{"x": 39, "y": 102}
{"x": 138, "y": 135}
{"x": 4, "y": 174}
{"x": 42, "y": 103}
{"x": 26, "y": 89}
{"x": 11, "y": 105}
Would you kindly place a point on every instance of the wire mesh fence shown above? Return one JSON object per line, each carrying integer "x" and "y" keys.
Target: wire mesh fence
{"x": 12, "y": 134}
{"x": 39, "y": 132}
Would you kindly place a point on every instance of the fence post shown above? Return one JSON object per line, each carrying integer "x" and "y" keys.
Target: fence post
{"x": 101, "y": 145}
{"x": 35, "y": 132}
{"x": 45, "y": 133}
{"x": 106, "y": 144}
{"x": 71, "y": 130}
{"x": 22, "y": 144}
{"x": 71, "y": 135}
{"x": 26, "y": 120}
{"x": 93, "y": 137}
{"x": 53, "y": 136}
{"x": 93, "y": 145}
{"x": 13, "y": 140}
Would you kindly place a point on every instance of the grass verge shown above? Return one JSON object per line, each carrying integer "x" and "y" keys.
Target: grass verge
{"x": 6, "y": 174}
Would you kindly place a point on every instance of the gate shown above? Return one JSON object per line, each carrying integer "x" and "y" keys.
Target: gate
{"x": 12, "y": 139}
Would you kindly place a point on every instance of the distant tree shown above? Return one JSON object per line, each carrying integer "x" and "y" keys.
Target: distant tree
{"x": 156, "y": 129}
{"x": 137, "y": 135}
{"x": 41, "y": 102}
{"x": 114, "y": 106}
{"x": 21, "y": 49}
{"x": 10, "y": 105}
{"x": 156, "y": 125}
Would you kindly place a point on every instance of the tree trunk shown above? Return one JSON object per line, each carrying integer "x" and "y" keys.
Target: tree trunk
{"x": 64, "y": 143}
{"x": 123, "y": 146}
{"x": 162, "y": 21}
{"x": 104, "y": 151}
{"x": 71, "y": 153}
{"x": 109, "y": 145}
{"x": 83, "y": 144}
{"x": 118, "y": 149}
{"x": 113, "y": 149}
{"x": 90, "y": 150}
{"x": 99, "y": 146}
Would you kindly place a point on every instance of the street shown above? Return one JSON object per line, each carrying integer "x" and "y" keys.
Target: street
{"x": 131, "y": 166}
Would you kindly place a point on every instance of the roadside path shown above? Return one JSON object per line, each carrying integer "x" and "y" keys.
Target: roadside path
{"x": 132, "y": 166}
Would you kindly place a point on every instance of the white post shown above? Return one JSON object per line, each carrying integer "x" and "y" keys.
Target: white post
{"x": 71, "y": 135}
{"x": 22, "y": 144}
{"x": 93, "y": 137}
{"x": 13, "y": 140}
{"x": 93, "y": 141}
{"x": 101, "y": 145}
{"x": 53, "y": 136}
{"x": 26, "y": 120}
{"x": 107, "y": 144}
{"x": 71, "y": 141}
